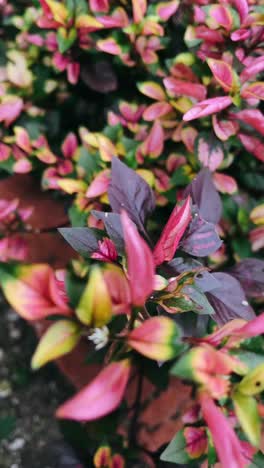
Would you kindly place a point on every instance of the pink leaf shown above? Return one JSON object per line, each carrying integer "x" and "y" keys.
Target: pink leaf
{"x": 207, "y": 107}
{"x": 22, "y": 166}
{"x": 223, "y": 73}
{"x": 102, "y": 396}
{"x": 240, "y": 35}
{"x": 222, "y": 16}
{"x": 224, "y": 129}
{"x": 73, "y": 72}
{"x": 210, "y": 153}
{"x": 98, "y": 6}
{"x": 10, "y": 109}
{"x": 172, "y": 233}
{"x": 196, "y": 441}
{"x": 22, "y": 139}
{"x": 225, "y": 183}
{"x": 140, "y": 263}
{"x": 99, "y": 185}
{"x": 242, "y": 8}
{"x": 254, "y": 90}
{"x": 178, "y": 88}
{"x": 166, "y": 9}
{"x": 109, "y": 46}
{"x": 153, "y": 144}
{"x": 139, "y": 10}
{"x": 253, "y": 328}
{"x": 227, "y": 445}
{"x": 253, "y": 145}
{"x": 69, "y": 145}
{"x": 252, "y": 117}
{"x": 256, "y": 66}
{"x": 5, "y": 152}
{"x": 156, "y": 110}
{"x": 106, "y": 251}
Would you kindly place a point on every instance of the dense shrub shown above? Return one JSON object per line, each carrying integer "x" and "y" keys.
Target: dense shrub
{"x": 144, "y": 119}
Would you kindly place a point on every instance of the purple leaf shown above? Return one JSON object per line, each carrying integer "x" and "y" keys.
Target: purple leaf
{"x": 201, "y": 239}
{"x": 250, "y": 273}
{"x": 129, "y": 192}
{"x": 229, "y": 300}
{"x": 113, "y": 228}
{"x": 205, "y": 196}
{"x": 82, "y": 239}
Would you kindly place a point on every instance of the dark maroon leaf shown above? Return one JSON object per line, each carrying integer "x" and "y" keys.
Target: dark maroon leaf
{"x": 201, "y": 239}
{"x": 113, "y": 227}
{"x": 205, "y": 196}
{"x": 83, "y": 240}
{"x": 99, "y": 76}
{"x": 250, "y": 273}
{"x": 229, "y": 300}
{"x": 129, "y": 192}
{"x": 203, "y": 278}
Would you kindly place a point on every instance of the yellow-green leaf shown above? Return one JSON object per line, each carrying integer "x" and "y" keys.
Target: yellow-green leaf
{"x": 246, "y": 410}
{"x": 253, "y": 382}
{"x": 58, "y": 340}
{"x": 95, "y": 306}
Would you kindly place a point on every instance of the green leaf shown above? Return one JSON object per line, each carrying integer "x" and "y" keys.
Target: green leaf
{"x": 181, "y": 177}
{"x": 74, "y": 288}
{"x": 88, "y": 162}
{"x": 246, "y": 410}
{"x": 66, "y": 39}
{"x": 183, "y": 367}
{"x": 78, "y": 218}
{"x": 192, "y": 299}
{"x": 243, "y": 219}
{"x": 258, "y": 460}
{"x": 7, "y": 426}
{"x": 201, "y": 305}
{"x": 175, "y": 452}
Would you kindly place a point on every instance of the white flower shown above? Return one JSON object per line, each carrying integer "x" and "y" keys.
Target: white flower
{"x": 99, "y": 337}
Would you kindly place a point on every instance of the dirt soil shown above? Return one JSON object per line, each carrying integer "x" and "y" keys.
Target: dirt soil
{"x": 29, "y": 434}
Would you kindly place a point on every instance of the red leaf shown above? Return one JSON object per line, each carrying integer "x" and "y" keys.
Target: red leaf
{"x": 172, "y": 233}
{"x": 141, "y": 269}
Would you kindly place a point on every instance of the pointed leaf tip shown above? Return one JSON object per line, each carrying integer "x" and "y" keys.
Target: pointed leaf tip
{"x": 102, "y": 396}
{"x": 173, "y": 232}
{"x": 141, "y": 269}
{"x": 59, "y": 339}
{"x": 157, "y": 338}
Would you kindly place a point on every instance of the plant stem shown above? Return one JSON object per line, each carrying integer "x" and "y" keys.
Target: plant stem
{"x": 134, "y": 420}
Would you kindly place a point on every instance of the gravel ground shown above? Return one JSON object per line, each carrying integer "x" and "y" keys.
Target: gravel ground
{"x": 29, "y": 434}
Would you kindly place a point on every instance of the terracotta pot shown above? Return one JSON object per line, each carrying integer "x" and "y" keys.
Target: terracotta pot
{"x": 48, "y": 214}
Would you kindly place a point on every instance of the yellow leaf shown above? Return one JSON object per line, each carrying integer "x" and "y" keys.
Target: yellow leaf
{"x": 95, "y": 306}
{"x": 253, "y": 382}
{"x": 58, "y": 340}
{"x": 59, "y": 11}
{"x": 246, "y": 410}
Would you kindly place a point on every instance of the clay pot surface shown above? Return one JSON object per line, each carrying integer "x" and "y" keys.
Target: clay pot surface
{"x": 47, "y": 215}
